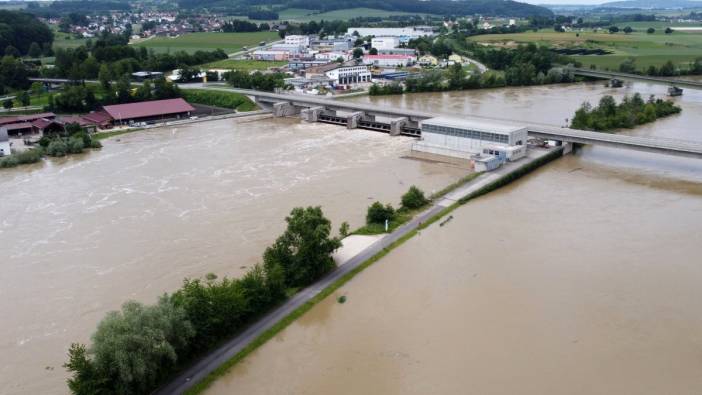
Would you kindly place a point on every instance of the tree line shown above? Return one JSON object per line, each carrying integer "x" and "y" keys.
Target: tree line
{"x": 668, "y": 69}
{"x": 19, "y": 31}
{"x": 632, "y": 111}
{"x": 135, "y": 349}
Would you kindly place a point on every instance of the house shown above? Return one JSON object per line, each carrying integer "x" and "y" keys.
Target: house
{"x": 148, "y": 111}
{"x": 46, "y": 126}
{"x": 21, "y": 125}
{"x": 4, "y": 142}
{"x": 100, "y": 119}
{"x": 332, "y": 56}
{"x": 428, "y": 60}
{"x": 388, "y": 60}
{"x": 455, "y": 59}
{"x": 297, "y": 40}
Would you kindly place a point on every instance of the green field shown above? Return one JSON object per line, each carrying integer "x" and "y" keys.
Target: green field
{"x": 66, "y": 40}
{"x": 302, "y": 15}
{"x": 648, "y": 49}
{"x": 229, "y": 42}
{"x": 244, "y": 65}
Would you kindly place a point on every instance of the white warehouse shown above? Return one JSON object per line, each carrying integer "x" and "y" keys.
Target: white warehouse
{"x": 462, "y": 138}
{"x": 385, "y": 42}
{"x": 346, "y": 75}
{"x": 298, "y": 40}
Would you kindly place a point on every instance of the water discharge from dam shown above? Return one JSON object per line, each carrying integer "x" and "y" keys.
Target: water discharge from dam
{"x": 581, "y": 278}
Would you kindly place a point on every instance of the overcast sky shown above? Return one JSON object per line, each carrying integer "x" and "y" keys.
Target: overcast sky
{"x": 563, "y": 1}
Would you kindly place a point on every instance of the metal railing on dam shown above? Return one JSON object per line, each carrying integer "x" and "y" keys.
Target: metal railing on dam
{"x": 635, "y": 77}
{"x": 647, "y": 144}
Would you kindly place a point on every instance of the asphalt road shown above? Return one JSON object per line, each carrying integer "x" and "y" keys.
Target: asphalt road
{"x": 219, "y": 356}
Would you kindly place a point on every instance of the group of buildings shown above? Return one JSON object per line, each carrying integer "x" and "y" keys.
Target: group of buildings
{"x": 334, "y": 62}
{"x": 24, "y": 126}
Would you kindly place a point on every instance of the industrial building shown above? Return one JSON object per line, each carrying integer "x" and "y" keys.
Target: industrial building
{"x": 388, "y": 60}
{"x": 297, "y": 40}
{"x": 386, "y": 42}
{"x": 403, "y": 33}
{"x": 485, "y": 143}
{"x": 346, "y": 75}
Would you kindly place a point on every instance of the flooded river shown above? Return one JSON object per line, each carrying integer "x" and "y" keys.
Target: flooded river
{"x": 79, "y": 236}
{"x": 581, "y": 278}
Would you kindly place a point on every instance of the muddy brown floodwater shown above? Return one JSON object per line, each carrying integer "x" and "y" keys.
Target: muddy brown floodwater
{"x": 80, "y": 236}
{"x": 581, "y": 278}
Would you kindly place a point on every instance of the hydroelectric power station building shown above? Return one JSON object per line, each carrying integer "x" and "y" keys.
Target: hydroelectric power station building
{"x": 486, "y": 144}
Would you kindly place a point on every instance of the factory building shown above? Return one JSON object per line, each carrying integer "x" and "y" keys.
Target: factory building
{"x": 346, "y": 75}
{"x": 485, "y": 143}
{"x": 385, "y": 42}
{"x": 297, "y": 40}
{"x": 388, "y": 60}
{"x": 403, "y": 33}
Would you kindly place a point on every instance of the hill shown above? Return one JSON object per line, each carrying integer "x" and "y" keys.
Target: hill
{"x": 440, "y": 7}
{"x": 654, "y": 4}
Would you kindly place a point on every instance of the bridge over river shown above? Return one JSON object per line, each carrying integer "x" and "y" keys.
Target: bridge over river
{"x": 398, "y": 121}
{"x": 675, "y": 84}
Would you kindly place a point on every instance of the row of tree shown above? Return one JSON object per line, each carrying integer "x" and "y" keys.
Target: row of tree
{"x": 632, "y": 111}
{"x": 135, "y": 349}
{"x": 257, "y": 80}
{"x": 668, "y": 69}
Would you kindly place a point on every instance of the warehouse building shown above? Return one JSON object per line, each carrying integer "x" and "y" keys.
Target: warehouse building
{"x": 148, "y": 111}
{"x": 388, "y": 60}
{"x": 469, "y": 139}
{"x": 347, "y": 75}
{"x": 385, "y": 42}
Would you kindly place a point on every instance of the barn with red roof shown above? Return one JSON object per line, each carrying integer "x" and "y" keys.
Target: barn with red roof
{"x": 149, "y": 111}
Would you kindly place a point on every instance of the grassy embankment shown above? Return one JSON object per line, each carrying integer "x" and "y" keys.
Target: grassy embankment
{"x": 235, "y": 101}
{"x": 191, "y": 42}
{"x": 300, "y": 311}
{"x": 648, "y": 49}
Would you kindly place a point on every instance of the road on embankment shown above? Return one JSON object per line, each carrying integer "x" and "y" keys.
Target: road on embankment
{"x": 200, "y": 370}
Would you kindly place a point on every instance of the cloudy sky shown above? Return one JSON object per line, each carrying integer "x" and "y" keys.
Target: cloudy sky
{"x": 563, "y": 1}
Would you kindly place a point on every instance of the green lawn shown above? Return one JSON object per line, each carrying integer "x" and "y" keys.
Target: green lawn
{"x": 302, "y": 15}
{"x": 66, "y": 40}
{"x": 244, "y": 65}
{"x": 648, "y": 49}
{"x": 229, "y": 42}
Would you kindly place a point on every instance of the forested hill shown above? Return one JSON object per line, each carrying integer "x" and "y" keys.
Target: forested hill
{"x": 657, "y": 4}
{"x": 440, "y": 7}
{"x": 20, "y": 30}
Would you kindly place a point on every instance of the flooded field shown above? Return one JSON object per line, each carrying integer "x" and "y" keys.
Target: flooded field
{"x": 582, "y": 278}
{"x": 82, "y": 235}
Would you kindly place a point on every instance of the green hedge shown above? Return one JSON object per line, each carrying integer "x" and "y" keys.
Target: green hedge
{"x": 231, "y": 100}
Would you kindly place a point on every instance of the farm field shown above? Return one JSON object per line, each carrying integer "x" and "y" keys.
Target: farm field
{"x": 66, "y": 40}
{"x": 648, "y": 49}
{"x": 229, "y": 42}
{"x": 303, "y": 15}
{"x": 244, "y": 65}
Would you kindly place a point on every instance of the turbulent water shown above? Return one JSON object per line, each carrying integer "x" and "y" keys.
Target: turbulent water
{"x": 79, "y": 236}
{"x": 581, "y": 278}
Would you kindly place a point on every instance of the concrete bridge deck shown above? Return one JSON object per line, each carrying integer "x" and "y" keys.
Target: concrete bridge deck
{"x": 683, "y": 148}
{"x": 635, "y": 77}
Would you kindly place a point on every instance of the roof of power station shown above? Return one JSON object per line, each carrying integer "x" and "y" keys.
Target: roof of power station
{"x": 471, "y": 124}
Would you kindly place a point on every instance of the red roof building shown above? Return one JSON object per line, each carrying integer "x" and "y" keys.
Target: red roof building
{"x": 149, "y": 110}
{"x": 23, "y": 123}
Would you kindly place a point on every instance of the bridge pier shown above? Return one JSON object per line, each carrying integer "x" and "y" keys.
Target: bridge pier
{"x": 396, "y": 125}
{"x": 284, "y": 109}
{"x": 353, "y": 118}
{"x": 567, "y": 148}
{"x": 311, "y": 114}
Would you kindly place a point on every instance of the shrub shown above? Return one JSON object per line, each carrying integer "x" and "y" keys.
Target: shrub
{"x": 75, "y": 145}
{"x": 377, "y": 213}
{"x": 414, "y": 198}
{"x": 57, "y": 147}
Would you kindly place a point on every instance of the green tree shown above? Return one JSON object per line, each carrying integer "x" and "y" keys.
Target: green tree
{"x": 138, "y": 345}
{"x": 344, "y": 229}
{"x": 357, "y": 53}
{"x": 628, "y": 66}
{"x": 8, "y": 104}
{"x": 85, "y": 379}
{"x": 304, "y": 250}
{"x": 105, "y": 76}
{"x": 373, "y": 51}
{"x": 12, "y": 51}
{"x": 668, "y": 30}
{"x": 613, "y": 29}
{"x": 23, "y": 98}
{"x": 628, "y": 30}
{"x": 414, "y": 198}
{"x": 456, "y": 76}
{"x": 650, "y": 30}
{"x": 377, "y": 213}
{"x": 34, "y": 50}
{"x": 37, "y": 88}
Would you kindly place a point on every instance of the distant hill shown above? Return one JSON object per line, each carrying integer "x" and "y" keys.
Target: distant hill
{"x": 654, "y": 4}
{"x": 440, "y": 7}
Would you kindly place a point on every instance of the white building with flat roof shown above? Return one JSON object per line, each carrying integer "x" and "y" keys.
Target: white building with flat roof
{"x": 403, "y": 33}
{"x": 346, "y": 75}
{"x": 385, "y": 42}
{"x": 463, "y": 138}
{"x": 299, "y": 40}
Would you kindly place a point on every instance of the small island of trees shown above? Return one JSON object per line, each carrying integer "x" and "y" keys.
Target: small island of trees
{"x": 632, "y": 111}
